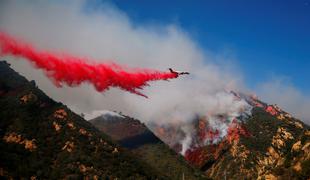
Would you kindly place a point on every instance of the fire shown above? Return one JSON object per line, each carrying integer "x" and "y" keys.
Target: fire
{"x": 271, "y": 110}
{"x": 234, "y": 132}
{"x": 208, "y": 133}
{"x": 205, "y": 129}
{"x": 198, "y": 156}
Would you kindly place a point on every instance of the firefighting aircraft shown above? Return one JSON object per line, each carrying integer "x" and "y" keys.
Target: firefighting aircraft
{"x": 178, "y": 72}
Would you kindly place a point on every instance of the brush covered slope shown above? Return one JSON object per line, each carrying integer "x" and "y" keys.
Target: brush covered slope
{"x": 134, "y": 135}
{"x": 268, "y": 144}
{"x": 43, "y": 139}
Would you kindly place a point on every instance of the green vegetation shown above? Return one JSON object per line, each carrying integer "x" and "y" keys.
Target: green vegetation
{"x": 262, "y": 126}
{"x": 165, "y": 160}
{"x": 134, "y": 135}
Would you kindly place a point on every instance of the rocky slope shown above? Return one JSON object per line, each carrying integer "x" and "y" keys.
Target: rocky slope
{"x": 268, "y": 144}
{"x": 43, "y": 139}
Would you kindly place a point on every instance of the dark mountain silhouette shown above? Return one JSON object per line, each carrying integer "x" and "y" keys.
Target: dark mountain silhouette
{"x": 43, "y": 139}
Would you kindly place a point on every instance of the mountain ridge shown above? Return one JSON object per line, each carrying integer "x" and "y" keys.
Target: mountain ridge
{"x": 269, "y": 143}
{"x": 43, "y": 139}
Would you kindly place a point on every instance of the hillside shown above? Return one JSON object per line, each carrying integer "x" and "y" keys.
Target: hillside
{"x": 268, "y": 144}
{"x": 134, "y": 135}
{"x": 43, "y": 139}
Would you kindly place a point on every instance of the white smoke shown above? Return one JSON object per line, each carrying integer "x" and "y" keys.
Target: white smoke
{"x": 279, "y": 90}
{"x": 105, "y": 114}
{"x": 109, "y": 34}
{"x": 186, "y": 142}
{"x": 223, "y": 109}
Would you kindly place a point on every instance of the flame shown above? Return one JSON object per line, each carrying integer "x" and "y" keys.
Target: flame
{"x": 198, "y": 156}
{"x": 271, "y": 110}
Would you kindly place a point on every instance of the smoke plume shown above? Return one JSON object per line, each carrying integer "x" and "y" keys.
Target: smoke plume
{"x": 108, "y": 33}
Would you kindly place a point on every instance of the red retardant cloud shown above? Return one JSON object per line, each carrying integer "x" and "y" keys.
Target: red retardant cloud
{"x": 70, "y": 70}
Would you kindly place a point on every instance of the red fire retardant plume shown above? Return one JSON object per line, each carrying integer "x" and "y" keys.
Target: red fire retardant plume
{"x": 70, "y": 70}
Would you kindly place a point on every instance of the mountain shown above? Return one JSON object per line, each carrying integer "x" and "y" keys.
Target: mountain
{"x": 134, "y": 135}
{"x": 43, "y": 139}
{"x": 268, "y": 143}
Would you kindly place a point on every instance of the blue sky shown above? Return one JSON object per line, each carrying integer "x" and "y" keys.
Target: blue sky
{"x": 267, "y": 38}
{"x": 266, "y": 41}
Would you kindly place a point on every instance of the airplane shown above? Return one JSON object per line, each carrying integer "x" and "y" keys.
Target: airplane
{"x": 178, "y": 72}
